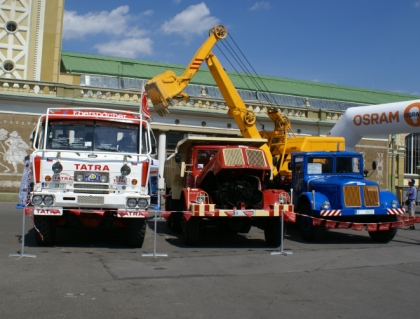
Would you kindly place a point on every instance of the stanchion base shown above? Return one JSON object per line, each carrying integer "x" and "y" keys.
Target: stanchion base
{"x": 154, "y": 255}
{"x": 22, "y": 255}
{"x": 282, "y": 252}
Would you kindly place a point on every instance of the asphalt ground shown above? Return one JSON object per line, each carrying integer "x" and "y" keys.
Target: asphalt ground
{"x": 90, "y": 273}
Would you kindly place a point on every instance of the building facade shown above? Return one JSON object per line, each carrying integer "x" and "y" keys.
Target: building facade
{"x": 36, "y": 75}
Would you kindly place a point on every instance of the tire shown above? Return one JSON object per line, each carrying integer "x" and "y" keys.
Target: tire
{"x": 272, "y": 231}
{"x": 192, "y": 231}
{"x": 136, "y": 232}
{"x": 383, "y": 236}
{"x": 175, "y": 222}
{"x": 307, "y": 230}
{"x": 46, "y": 235}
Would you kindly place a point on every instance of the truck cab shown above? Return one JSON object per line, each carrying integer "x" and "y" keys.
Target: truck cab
{"x": 332, "y": 185}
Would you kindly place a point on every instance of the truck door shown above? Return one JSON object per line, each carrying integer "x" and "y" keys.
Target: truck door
{"x": 298, "y": 167}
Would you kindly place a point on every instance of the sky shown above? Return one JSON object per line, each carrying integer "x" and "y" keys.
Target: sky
{"x": 371, "y": 44}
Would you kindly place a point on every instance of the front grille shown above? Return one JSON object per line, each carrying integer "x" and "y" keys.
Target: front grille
{"x": 371, "y": 195}
{"x": 91, "y": 189}
{"x": 256, "y": 158}
{"x": 352, "y": 196}
{"x": 90, "y": 200}
{"x": 233, "y": 157}
{"x": 90, "y": 182}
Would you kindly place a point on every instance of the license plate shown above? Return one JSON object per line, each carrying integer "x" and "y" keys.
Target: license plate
{"x": 365, "y": 212}
{"x": 240, "y": 213}
{"x": 60, "y": 185}
{"x": 48, "y": 211}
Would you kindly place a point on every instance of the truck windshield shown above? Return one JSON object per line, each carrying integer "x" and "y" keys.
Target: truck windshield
{"x": 94, "y": 135}
{"x": 348, "y": 165}
{"x": 320, "y": 165}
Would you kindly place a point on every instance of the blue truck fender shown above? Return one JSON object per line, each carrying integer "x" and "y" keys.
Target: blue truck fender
{"x": 319, "y": 199}
{"x": 385, "y": 198}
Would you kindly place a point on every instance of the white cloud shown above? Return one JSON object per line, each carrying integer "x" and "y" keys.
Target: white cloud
{"x": 126, "y": 48}
{"x": 124, "y": 39}
{"x": 417, "y": 4}
{"x": 79, "y": 26}
{"x": 176, "y": 1}
{"x": 260, "y": 6}
{"x": 195, "y": 20}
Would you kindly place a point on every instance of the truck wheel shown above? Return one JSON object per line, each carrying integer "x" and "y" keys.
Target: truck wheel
{"x": 272, "y": 231}
{"x": 192, "y": 231}
{"x": 383, "y": 236}
{"x": 306, "y": 229}
{"x": 136, "y": 232}
{"x": 175, "y": 222}
{"x": 44, "y": 224}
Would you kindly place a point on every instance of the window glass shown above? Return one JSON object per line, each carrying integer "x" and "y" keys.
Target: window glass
{"x": 320, "y": 165}
{"x": 94, "y": 135}
{"x": 348, "y": 164}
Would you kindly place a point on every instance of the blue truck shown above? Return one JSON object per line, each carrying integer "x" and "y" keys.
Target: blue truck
{"x": 331, "y": 187}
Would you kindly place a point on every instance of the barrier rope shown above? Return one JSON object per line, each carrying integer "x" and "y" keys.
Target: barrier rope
{"x": 332, "y": 224}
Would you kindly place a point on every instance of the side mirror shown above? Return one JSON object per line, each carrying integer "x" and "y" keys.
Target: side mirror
{"x": 178, "y": 158}
{"x": 374, "y": 165}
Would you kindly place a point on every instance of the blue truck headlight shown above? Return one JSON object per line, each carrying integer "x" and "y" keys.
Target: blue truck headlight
{"x": 394, "y": 203}
{"x": 326, "y": 205}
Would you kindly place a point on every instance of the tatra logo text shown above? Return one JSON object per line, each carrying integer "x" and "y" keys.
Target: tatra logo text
{"x": 90, "y": 167}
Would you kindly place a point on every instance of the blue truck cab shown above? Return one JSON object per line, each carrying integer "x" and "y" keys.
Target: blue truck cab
{"x": 332, "y": 186}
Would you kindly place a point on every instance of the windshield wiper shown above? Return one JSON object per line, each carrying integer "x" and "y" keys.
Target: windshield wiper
{"x": 111, "y": 149}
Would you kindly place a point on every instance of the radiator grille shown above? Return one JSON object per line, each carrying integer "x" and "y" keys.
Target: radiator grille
{"x": 91, "y": 189}
{"x": 90, "y": 200}
{"x": 352, "y": 196}
{"x": 256, "y": 158}
{"x": 371, "y": 195}
{"x": 233, "y": 157}
{"x": 90, "y": 182}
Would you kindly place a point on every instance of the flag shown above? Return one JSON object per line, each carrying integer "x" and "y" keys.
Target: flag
{"x": 144, "y": 107}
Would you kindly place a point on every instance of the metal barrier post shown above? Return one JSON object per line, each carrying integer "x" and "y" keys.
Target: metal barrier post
{"x": 155, "y": 254}
{"x": 22, "y": 252}
{"x": 281, "y": 251}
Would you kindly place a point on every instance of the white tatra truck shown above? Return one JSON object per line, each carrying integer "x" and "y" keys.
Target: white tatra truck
{"x": 90, "y": 167}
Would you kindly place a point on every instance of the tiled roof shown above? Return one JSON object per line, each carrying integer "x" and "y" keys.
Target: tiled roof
{"x": 104, "y": 65}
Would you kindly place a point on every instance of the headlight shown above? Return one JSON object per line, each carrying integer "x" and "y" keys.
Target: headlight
{"x": 131, "y": 202}
{"x": 326, "y": 205}
{"x": 201, "y": 198}
{"x": 36, "y": 200}
{"x": 104, "y": 178}
{"x": 79, "y": 178}
{"x": 143, "y": 203}
{"x": 394, "y": 203}
{"x": 282, "y": 199}
{"x": 57, "y": 167}
{"x": 125, "y": 170}
{"x": 48, "y": 200}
